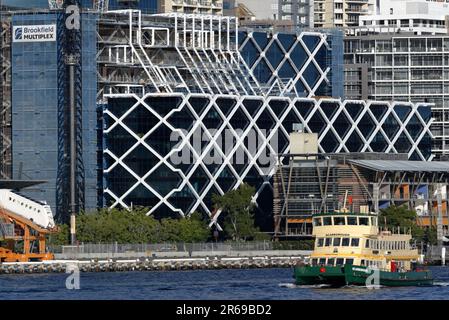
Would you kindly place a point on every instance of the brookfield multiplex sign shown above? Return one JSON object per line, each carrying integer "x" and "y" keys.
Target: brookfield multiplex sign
{"x": 34, "y": 33}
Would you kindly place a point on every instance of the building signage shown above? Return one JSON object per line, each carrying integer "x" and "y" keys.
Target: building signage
{"x": 38, "y": 33}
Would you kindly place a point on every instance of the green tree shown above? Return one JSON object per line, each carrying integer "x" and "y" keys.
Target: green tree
{"x": 170, "y": 230}
{"x": 401, "y": 216}
{"x": 193, "y": 229}
{"x": 117, "y": 225}
{"x": 123, "y": 226}
{"x": 60, "y": 238}
{"x": 430, "y": 236}
{"x": 238, "y": 210}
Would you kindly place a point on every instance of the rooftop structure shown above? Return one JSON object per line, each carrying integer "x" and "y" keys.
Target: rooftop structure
{"x": 206, "y": 54}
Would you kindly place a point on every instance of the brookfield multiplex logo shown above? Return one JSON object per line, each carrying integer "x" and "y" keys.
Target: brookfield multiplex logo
{"x": 18, "y": 34}
{"x": 34, "y": 33}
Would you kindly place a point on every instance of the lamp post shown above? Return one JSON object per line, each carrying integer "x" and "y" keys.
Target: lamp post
{"x": 71, "y": 61}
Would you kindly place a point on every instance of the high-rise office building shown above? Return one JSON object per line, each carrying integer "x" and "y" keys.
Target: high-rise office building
{"x": 218, "y": 86}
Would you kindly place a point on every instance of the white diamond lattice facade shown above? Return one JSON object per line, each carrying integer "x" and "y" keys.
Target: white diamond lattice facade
{"x": 140, "y": 158}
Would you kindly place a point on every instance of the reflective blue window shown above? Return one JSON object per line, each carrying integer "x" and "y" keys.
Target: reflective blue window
{"x": 274, "y": 55}
{"x": 311, "y": 42}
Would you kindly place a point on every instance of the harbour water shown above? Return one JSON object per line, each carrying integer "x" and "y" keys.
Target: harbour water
{"x": 264, "y": 284}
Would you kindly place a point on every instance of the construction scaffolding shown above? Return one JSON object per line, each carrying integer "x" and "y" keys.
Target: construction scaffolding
{"x": 5, "y": 97}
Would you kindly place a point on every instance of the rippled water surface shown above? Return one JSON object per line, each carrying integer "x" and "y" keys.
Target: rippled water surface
{"x": 214, "y": 284}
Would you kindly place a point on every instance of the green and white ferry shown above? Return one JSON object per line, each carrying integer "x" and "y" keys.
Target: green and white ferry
{"x": 351, "y": 250}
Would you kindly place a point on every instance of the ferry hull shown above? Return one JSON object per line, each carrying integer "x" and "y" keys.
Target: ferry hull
{"x": 358, "y": 275}
{"x": 315, "y": 275}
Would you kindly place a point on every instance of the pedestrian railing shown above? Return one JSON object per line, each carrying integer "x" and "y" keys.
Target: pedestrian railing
{"x": 88, "y": 248}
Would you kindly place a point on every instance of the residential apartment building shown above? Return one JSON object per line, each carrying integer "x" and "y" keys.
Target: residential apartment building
{"x": 340, "y": 13}
{"x": 402, "y": 67}
{"x": 300, "y": 12}
{"x": 418, "y": 16}
{"x": 305, "y": 13}
{"x": 211, "y": 7}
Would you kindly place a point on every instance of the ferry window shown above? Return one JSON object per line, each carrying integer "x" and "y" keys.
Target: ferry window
{"x": 340, "y": 261}
{"x": 314, "y": 262}
{"x": 330, "y": 261}
{"x": 322, "y": 261}
{"x": 352, "y": 221}
{"x": 373, "y": 221}
{"x": 349, "y": 261}
{"x": 345, "y": 242}
{"x": 337, "y": 242}
{"x": 367, "y": 243}
{"x": 320, "y": 242}
{"x": 328, "y": 242}
{"x": 362, "y": 262}
{"x": 317, "y": 222}
{"x": 354, "y": 242}
{"x": 339, "y": 221}
{"x": 363, "y": 221}
{"x": 327, "y": 221}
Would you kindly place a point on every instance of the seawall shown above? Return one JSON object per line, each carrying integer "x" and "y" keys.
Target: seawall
{"x": 161, "y": 262}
